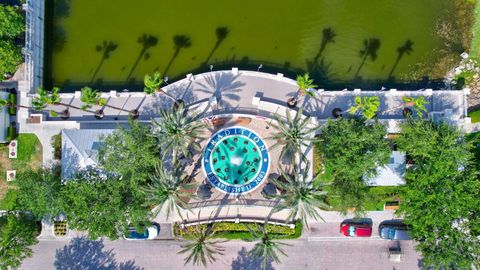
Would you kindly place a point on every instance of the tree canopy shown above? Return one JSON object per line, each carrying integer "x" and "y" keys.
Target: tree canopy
{"x": 353, "y": 148}
{"x": 102, "y": 204}
{"x": 130, "y": 152}
{"x": 441, "y": 195}
{"x": 10, "y": 57}
{"x": 12, "y": 25}
{"x": 12, "y": 22}
{"x": 17, "y": 234}
{"x": 38, "y": 192}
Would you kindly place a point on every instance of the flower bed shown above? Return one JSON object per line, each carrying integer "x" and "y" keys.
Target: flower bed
{"x": 60, "y": 228}
{"x": 231, "y": 230}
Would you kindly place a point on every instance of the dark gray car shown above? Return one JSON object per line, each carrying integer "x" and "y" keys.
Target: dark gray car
{"x": 393, "y": 230}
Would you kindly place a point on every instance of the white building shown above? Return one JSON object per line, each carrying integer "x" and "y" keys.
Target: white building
{"x": 80, "y": 149}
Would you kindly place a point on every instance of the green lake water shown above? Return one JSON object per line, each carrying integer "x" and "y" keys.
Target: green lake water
{"x": 236, "y": 160}
{"x": 113, "y": 43}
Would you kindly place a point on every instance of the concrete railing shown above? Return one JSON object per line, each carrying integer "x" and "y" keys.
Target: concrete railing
{"x": 236, "y": 219}
{"x": 34, "y": 43}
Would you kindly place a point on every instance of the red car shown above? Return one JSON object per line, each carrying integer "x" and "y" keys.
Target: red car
{"x": 356, "y": 229}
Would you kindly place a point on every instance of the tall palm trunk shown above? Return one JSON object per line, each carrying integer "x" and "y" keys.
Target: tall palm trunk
{"x": 118, "y": 108}
{"x": 71, "y": 106}
{"x": 160, "y": 90}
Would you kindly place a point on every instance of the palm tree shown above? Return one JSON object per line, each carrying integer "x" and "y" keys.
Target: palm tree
{"x": 367, "y": 105}
{"x": 153, "y": 83}
{"x": 418, "y": 104}
{"x": 92, "y": 97}
{"x": 168, "y": 190}
{"x": 293, "y": 133}
{"x": 7, "y": 103}
{"x": 178, "y": 132}
{"x": 202, "y": 246}
{"x": 304, "y": 82}
{"x": 267, "y": 249}
{"x": 302, "y": 195}
{"x": 52, "y": 97}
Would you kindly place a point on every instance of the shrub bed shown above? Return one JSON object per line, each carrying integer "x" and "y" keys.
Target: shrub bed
{"x": 56, "y": 142}
{"x": 231, "y": 230}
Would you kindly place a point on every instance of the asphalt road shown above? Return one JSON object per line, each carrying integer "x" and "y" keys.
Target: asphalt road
{"x": 320, "y": 248}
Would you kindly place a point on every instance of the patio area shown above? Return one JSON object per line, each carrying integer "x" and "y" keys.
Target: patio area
{"x": 235, "y": 91}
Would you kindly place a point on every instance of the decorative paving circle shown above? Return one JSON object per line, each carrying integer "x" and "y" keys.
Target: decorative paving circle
{"x": 236, "y": 160}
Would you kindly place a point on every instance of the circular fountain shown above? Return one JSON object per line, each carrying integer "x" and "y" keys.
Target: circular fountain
{"x": 236, "y": 160}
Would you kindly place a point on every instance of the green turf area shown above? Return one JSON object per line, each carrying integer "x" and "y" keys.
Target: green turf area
{"x": 27, "y": 146}
{"x": 29, "y": 156}
{"x": 475, "y": 116}
{"x": 115, "y": 42}
{"x": 475, "y": 47}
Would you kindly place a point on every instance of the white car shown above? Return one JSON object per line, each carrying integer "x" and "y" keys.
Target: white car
{"x": 149, "y": 232}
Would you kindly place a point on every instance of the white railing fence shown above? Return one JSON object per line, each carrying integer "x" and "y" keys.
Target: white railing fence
{"x": 33, "y": 50}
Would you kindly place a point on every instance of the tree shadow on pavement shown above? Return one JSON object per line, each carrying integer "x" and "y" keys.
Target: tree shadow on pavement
{"x": 86, "y": 254}
{"x": 246, "y": 262}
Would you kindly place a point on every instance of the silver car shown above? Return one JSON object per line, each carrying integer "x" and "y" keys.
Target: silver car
{"x": 394, "y": 230}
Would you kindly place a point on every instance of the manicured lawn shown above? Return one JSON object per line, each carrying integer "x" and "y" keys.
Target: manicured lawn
{"x": 325, "y": 175}
{"x": 29, "y": 156}
{"x": 475, "y": 47}
{"x": 475, "y": 115}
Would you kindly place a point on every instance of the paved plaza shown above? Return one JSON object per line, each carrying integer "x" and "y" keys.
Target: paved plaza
{"x": 321, "y": 248}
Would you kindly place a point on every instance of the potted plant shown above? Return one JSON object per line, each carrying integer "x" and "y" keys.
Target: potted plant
{"x": 418, "y": 105}
{"x": 368, "y": 106}
{"x": 65, "y": 114}
{"x": 92, "y": 97}
{"x": 153, "y": 83}
{"x": 99, "y": 114}
{"x": 52, "y": 97}
{"x": 407, "y": 112}
{"x": 292, "y": 102}
{"x": 304, "y": 82}
{"x": 60, "y": 228}
{"x": 134, "y": 114}
{"x": 337, "y": 113}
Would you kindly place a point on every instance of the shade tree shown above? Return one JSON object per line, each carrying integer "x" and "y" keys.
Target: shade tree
{"x": 441, "y": 195}
{"x": 353, "y": 148}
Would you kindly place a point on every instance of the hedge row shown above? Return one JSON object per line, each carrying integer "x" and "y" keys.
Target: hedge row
{"x": 231, "y": 230}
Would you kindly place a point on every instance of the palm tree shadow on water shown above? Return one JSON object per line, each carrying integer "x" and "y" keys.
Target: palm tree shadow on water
{"x": 147, "y": 41}
{"x": 105, "y": 48}
{"x": 82, "y": 253}
{"x": 328, "y": 36}
{"x": 221, "y": 33}
{"x": 180, "y": 42}
{"x": 370, "y": 49}
{"x": 406, "y": 48}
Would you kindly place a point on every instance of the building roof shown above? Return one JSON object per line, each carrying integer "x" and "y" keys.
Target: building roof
{"x": 392, "y": 174}
{"x": 80, "y": 149}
